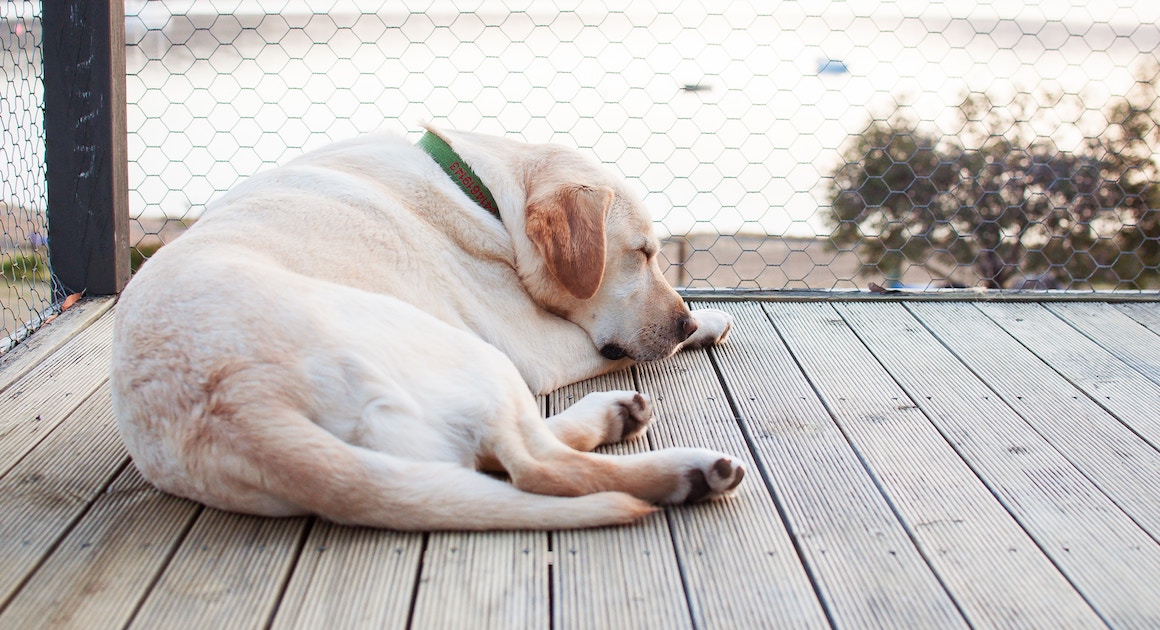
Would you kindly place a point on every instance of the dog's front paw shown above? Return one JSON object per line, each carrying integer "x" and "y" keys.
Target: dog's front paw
{"x": 713, "y": 328}
{"x": 715, "y": 475}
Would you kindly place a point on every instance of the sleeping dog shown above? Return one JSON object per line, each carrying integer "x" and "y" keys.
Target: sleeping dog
{"x": 360, "y": 334}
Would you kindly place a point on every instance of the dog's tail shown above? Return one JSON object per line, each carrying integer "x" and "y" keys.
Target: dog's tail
{"x": 313, "y": 471}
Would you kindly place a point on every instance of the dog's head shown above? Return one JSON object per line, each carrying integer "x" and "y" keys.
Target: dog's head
{"x": 585, "y": 247}
{"x": 599, "y": 267}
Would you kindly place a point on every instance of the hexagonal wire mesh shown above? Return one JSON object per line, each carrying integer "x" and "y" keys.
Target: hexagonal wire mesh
{"x": 779, "y": 145}
{"x": 27, "y": 292}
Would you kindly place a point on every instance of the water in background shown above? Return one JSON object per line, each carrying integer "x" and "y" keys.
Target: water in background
{"x": 728, "y": 119}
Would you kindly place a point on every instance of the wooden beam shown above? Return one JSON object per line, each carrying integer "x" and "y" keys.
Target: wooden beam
{"x": 85, "y": 130}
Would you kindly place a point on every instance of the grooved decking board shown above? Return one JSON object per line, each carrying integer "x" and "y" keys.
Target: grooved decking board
{"x": 1117, "y": 333}
{"x": 959, "y": 527}
{"x": 34, "y": 404}
{"x": 1109, "y": 381}
{"x": 1146, "y": 313}
{"x": 1081, "y": 484}
{"x": 946, "y": 511}
{"x": 51, "y": 337}
{"x": 1015, "y": 580}
{"x": 48, "y": 490}
{"x": 1119, "y": 462}
{"x": 351, "y": 577}
{"x": 99, "y": 573}
{"x": 616, "y": 577}
{"x": 866, "y": 568}
{"x": 739, "y": 564}
{"x": 227, "y": 573}
{"x": 484, "y": 580}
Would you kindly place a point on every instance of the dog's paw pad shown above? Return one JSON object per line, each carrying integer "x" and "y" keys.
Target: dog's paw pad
{"x": 713, "y": 481}
{"x": 634, "y": 415}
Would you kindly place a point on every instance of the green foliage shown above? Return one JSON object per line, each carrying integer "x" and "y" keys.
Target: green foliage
{"x": 140, "y": 253}
{"x": 1004, "y": 200}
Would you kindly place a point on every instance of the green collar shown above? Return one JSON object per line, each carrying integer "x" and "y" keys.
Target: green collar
{"x": 459, "y": 172}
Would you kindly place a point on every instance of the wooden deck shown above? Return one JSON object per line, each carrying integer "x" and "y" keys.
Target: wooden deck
{"x": 913, "y": 465}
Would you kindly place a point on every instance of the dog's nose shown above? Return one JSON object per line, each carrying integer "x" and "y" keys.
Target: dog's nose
{"x": 688, "y": 326}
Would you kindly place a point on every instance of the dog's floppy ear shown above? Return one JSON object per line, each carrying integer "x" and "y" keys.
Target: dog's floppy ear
{"x": 567, "y": 227}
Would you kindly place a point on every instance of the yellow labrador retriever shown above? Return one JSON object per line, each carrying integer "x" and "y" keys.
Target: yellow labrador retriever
{"x": 359, "y": 333}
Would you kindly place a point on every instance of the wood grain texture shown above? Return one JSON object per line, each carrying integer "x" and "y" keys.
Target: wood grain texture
{"x": 42, "y": 496}
{"x": 40, "y": 400}
{"x": 866, "y": 569}
{"x": 1146, "y": 313}
{"x": 227, "y": 572}
{"x": 880, "y": 435}
{"x": 1120, "y": 463}
{"x": 740, "y": 566}
{"x": 100, "y": 572}
{"x": 351, "y": 577}
{"x": 1117, "y": 333}
{"x": 1084, "y": 345}
{"x": 484, "y": 580}
{"x": 616, "y": 577}
{"x": 50, "y": 337}
{"x": 909, "y": 465}
{"x": 996, "y": 570}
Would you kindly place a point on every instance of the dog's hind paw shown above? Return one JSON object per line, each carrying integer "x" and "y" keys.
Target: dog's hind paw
{"x": 709, "y": 480}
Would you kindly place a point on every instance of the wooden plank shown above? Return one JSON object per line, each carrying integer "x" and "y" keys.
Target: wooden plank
{"x": 1014, "y": 581}
{"x": 944, "y": 509}
{"x": 228, "y": 572}
{"x": 740, "y": 566}
{"x": 864, "y": 565}
{"x": 351, "y": 577}
{"x": 50, "y": 337}
{"x": 1118, "y": 334}
{"x": 484, "y": 580}
{"x": 40, "y": 400}
{"x": 1082, "y": 358}
{"x": 87, "y": 173}
{"x": 43, "y": 495}
{"x": 616, "y": 577}
{"x": 99, "y": 573}
{"x": 1146, "y": 313}
{"x": 1119, "y": 462}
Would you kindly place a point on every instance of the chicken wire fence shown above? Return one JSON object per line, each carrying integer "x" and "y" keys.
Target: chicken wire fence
{"x": 26, "y": 297}
{"x": 813, "y": 145}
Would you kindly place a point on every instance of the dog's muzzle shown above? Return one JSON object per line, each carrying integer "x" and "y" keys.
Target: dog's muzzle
{"x": 686, "y": 326}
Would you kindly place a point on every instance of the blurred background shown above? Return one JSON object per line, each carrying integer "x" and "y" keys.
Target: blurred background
{"x": 779, "y": 145}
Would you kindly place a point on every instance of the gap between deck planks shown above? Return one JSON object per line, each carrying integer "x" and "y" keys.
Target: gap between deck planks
{"x": 936, "y": 464}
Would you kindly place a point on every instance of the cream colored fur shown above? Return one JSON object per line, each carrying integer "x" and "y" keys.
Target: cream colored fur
{"x": 349, "y": 336}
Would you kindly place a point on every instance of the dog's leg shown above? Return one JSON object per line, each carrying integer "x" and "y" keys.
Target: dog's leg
{"x": 289, "y": 465}
{"x": 539, "y": 462}
{"x": 602, "y": 418}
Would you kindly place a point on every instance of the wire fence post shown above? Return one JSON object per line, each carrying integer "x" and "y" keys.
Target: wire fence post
{"x": 85, "y": 145}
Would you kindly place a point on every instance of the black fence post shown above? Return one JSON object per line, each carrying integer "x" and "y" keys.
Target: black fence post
{"x": 85, "y": 144}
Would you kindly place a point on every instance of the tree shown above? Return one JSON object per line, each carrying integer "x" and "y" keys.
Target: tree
{"x": 1005, "y": 201}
